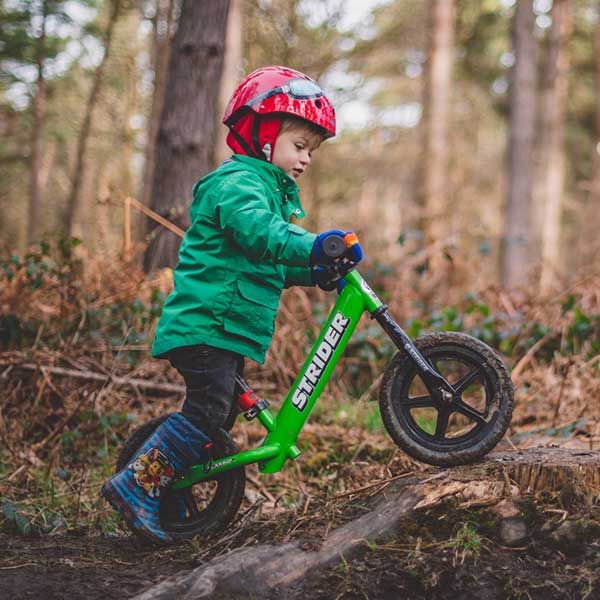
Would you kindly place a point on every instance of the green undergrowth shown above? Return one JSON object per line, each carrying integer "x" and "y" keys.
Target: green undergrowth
{"x": 59, "y": 489}
{"x": 74, "y": 315}
{"x": 54, "y": 274}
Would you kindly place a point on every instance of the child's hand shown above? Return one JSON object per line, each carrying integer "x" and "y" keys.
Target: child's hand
{"x": 326, "y": 279}
{"x": 334, "y": 245}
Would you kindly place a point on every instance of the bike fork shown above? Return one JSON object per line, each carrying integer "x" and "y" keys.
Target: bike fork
{"x": 436, "y": 384}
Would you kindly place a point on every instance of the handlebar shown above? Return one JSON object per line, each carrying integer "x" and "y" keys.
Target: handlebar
{"x": 335, "y": 246}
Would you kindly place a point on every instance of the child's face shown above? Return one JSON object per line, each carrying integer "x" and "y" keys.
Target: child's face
{"x": 293, "y": 151}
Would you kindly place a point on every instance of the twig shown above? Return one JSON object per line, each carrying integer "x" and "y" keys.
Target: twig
{"x": 91, "y": 376}
{"x": 507, "y": 438}
{"x": 371, "y": 485}
{"x": 6, "y": 372}
{"x": 153, "y": 215}
{"x": 59, "y": 427}
{"x": 560, "y": 392}
{"x": 261, "y": 488}
{"x": 28, "y": 564}
{"x": 508, "y": 305}
{"x": 520, "y": 366}
{"x": 369, "y": 391}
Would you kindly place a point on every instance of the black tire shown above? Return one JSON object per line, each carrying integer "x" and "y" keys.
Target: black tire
{"x": 481, "y": 418}
{"x": 204, "y": 508}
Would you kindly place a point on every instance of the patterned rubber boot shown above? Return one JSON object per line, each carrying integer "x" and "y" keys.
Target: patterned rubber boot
{"x": 135, "y": 491}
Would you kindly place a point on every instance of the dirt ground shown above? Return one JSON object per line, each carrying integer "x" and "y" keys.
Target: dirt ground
{"x": 430, "y": 561}
{"x": 82, "y": 566}
{"x": 445, "y": 552}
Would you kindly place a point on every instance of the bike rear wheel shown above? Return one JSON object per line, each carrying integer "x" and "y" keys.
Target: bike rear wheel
{"x": 204, "y": 508}
{"x": 463, "y": 428}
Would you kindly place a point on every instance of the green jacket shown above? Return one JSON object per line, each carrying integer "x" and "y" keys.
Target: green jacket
{"x": 238, "y": 254}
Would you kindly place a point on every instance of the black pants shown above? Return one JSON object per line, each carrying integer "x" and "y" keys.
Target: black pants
{"x": 211, "y": 390}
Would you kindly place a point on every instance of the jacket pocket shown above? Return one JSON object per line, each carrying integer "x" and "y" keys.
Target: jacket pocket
{"x": 252, "y": 312}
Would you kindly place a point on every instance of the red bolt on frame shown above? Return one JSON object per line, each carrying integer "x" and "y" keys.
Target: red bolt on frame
{"x": 247, "y": 400}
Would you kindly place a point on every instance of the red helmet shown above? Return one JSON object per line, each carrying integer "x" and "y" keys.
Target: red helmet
{"x": 254, "y": 111}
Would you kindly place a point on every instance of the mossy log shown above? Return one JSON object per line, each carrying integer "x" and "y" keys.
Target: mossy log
{"x": 268, "y": 570}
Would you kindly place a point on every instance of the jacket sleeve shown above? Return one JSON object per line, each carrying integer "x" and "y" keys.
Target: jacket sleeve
{"x": 298, "y": 276}
{"x": 243, "y": 211}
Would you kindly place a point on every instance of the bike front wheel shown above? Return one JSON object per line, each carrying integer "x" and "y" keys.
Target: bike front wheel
{"x": 207, "y": 506}
{"x": 459, "y": 430}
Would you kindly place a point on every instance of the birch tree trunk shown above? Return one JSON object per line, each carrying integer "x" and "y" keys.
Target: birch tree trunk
{"x": 595, "y": 176}
{"x": 39, "y": 112}
{"x": 186, "y": 137}
{"x": 553, "y": 119}
{"x": 438, "y": 89}
{"x": 232, "y": 74}
{"x": 86, "y": 127}
{"x": 516, "y": 256}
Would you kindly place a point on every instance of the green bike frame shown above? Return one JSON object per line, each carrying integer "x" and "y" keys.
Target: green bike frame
{"x": 283, "y": 429}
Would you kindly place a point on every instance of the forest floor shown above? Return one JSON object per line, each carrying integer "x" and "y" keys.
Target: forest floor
{"x": 445, "y": 551}
{"x": 76, "y": 377}
{"x": 438, "y": 556}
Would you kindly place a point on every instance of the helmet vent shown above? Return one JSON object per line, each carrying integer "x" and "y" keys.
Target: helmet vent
{"x": 318, "y": 103}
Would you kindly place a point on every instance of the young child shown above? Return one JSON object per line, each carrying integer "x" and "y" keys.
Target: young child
{"x": 240, "y": 251}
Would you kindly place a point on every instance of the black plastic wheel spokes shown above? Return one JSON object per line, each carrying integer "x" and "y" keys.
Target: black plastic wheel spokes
{"x": 418, "y": 402}
{"x": 441, "y": 425}
{"x": 463, "y": 383}
{"x": 444, "y": 410}
{"x": 468, "y": 411}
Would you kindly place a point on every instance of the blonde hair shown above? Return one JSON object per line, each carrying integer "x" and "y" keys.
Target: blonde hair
{"x": 314, "y": 133}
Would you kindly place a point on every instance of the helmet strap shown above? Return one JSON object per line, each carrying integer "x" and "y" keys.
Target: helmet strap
{"x": 258, "y": 151}
{"x": 242, "y": 142}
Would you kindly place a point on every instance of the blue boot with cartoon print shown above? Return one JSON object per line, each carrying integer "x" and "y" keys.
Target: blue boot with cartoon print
{"x": 136, "y": 490}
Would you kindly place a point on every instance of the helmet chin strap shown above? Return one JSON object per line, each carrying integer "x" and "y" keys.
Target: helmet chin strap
{"x": 260, "y": 152}
{"x": 256, "y": 142}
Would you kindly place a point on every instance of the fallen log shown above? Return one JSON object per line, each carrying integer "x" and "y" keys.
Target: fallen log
{"x": 143, "y": 384}
{"x": 269, "y": 570}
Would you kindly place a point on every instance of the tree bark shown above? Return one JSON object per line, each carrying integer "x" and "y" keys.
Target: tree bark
{"x": 595, "y": 176}
{"x": 160, "y": 60}
{"x": 186, "y": 138}
{"x": 39, "y": 112}
{"x": 86, "y": 127}
{"x": 594, "y": 191}
{"x": 553, "y": 119}
{"x": 437, "y": 104}
{"x": 516, "y": 256}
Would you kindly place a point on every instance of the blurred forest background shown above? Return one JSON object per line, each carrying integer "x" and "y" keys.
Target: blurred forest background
{"x": 449, "y": 137}
{"x": 467, "y": 159}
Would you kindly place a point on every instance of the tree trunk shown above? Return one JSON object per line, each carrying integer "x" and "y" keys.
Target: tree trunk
{"x": 595, "y": 176}
{"x": 553, "y": 119}
{"x": 588, "y": 251}
{"x": 436, "y": 120}
{"x": 86, "y": 126}
{"x": 516, "y": 259}
{"x": 232, "y": 74}
{"x": 160, "y": 61}
{"x": 39, "y": 112}
{"x": 186, "y": 137}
